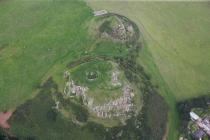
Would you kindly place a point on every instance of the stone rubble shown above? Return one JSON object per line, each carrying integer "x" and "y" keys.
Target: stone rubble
{"x": 72, "y": 89}
{"x": 115, "y": 78}
{"x": 119, "y": 107}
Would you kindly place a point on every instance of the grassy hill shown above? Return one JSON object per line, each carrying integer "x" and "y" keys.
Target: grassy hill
{"x": 41, "y": 40}
{"x": 176, "y": 36}
{"x": 38, "y": 39}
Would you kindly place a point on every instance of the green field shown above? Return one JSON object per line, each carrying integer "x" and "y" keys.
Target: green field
{"x": 39, "y": 39}
{"x": 101, "y": 68}
{"x": 37, "y": 47}
{"x": 38, "y": 44}
{"x": 177, "y": 53}
{"x": 36, "y": 36}
{"x": 177, "y": 36}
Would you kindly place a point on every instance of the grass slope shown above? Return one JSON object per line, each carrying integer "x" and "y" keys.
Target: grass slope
{"x": 177, "y": 41}
{"x": 35, "y": 36}
{"x": 177, "y": 34}
{"x": 38, "y": 39}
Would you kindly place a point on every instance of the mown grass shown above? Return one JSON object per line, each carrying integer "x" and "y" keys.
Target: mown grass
{"x": 61, "y": 41}
{"x": 100, "y": 88}
{"x": 177, "y": 53}
{"x": 177, "y": 34}
{"x": 38, "y": 35}
{"x": 101, "y": 68}
{"x": 38, "y": 39}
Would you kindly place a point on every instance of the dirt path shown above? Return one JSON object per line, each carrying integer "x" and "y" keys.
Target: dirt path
{"x": 166, "y": 133}
{"x": 4, "y": 117}
{"x": 87, "y": 59}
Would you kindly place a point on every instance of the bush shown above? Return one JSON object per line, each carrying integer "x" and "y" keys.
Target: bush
{"x": 105, "y": 27}
{"x": 51, "y": 115}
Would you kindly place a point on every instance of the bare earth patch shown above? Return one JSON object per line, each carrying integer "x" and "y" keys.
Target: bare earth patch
{"x": 4, "y": 117}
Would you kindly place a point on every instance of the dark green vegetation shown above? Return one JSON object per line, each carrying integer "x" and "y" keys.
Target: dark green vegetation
{"x": 6, "y": 137}
{"x": 48, "y": 41}
{"x": 152, "y": 125}
{"x": 36, "y": 119}
{"x": 36, "y": 115}
{"x": 105, "y": 27}
{"x": 184, "y": 108}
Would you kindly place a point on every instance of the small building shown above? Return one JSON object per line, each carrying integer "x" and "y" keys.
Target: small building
{"x": 194, "y": 116}
{"x": 100, "y": 13}
{"x": 202, "y": 123}
{"x": 198, "y": 134}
